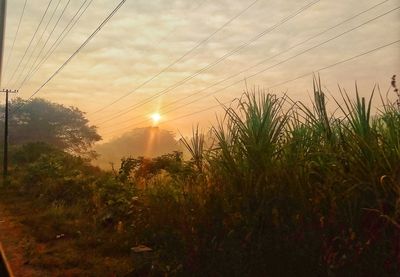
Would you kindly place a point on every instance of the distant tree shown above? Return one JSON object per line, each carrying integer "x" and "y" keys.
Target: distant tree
{"x": 148, "y": 142}
{"x": 39, "y": 120}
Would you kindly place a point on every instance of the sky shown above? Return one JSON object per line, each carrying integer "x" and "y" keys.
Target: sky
{"x": 261, "y": 44}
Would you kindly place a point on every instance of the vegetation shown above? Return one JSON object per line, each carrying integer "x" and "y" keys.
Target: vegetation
{"x": 39, "y": 120}
{"x": 135, "y": 143}
{"x": 285, "y": 190}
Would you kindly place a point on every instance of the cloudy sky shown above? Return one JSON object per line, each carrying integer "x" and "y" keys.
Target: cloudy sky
{"x": 265, "y": 42}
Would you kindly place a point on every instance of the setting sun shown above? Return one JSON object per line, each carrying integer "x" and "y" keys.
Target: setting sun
{"x": 156, "y": 117}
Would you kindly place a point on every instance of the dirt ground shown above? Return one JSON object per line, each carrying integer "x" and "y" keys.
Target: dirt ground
{"x": 32, "y": 254}
{"x": 14, "y": 240}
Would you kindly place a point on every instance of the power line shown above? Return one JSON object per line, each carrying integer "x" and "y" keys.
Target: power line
{"x": 294, "y": 56}
{"x": 37, "y": 43}
{"x": 51, "y": 51}
{"x": 172, "y": 31}
{"x": 318, "y": 70}
{"x": 238, "y": 49}
{"x": 282, "y": 52}
{"x": 46, "y": 42}
{"x": 16, "y": 34}
{"x": 167, "y": 35}
{"x": 77, "y": 51}
{"x": 64, "y": 33}
{"x": 41, "y": 37}
{"x": 279, "y": 84}
{"x": 182, "y": 57}
{"x": 274, "y": 56}
{"x": 279, "y": 63}
{"x": 225, "y": 56}
{"x": 30, "y": 43}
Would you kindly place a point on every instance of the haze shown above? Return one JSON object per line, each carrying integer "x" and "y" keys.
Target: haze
{"x": 144, "y": 37}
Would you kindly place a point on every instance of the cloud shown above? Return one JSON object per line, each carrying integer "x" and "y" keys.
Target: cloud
{"x": 146, "y": 36}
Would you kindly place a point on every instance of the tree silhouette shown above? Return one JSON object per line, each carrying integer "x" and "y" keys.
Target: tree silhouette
{"x": 39, "y": 120}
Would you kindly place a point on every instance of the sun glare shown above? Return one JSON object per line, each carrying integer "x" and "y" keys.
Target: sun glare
{"x": 156, "y": 117}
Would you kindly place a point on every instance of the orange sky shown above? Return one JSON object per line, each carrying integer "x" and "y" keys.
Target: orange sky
{"x": 146, "y": 36}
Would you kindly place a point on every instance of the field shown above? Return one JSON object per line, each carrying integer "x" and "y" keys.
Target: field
{"x": 275, "y": 188}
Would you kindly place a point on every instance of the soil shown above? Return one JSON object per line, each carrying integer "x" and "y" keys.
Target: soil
{"x": 13, "y": 238}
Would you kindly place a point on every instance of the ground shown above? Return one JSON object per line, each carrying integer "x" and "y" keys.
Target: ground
{"x": 14, "y": 240}
{"x": 34, "y": 248}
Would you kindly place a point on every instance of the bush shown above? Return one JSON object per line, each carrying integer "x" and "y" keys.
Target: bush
{"x": 286, "y": 190}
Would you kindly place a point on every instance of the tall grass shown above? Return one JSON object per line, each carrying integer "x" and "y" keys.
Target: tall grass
{"x": 300, "y": 188}
{"x": 285, "y": 190}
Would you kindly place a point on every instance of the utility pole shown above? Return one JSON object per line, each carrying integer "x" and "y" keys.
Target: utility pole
{"x": 5, "y": 149}
{"x": 3, "y": 7}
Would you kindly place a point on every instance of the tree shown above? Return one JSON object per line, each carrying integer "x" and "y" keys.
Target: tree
{"x": 39, "y": 120}
{"x": 149, "y": 142}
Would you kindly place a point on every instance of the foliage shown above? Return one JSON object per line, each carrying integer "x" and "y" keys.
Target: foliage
{"x": 286, "y": 190}
{"x": 145, "y": 168}
{"x": 50, "y": 173}
{"x": 38, "y": 120}
{"x": 135, "y": 143}
{"x": 195, "y": 146}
